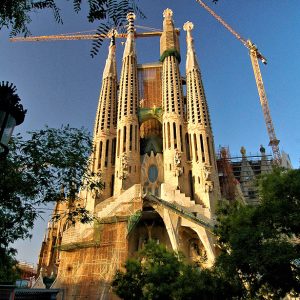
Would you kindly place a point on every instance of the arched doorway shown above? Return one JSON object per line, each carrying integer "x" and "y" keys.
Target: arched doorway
{"x": 149, "y": 226}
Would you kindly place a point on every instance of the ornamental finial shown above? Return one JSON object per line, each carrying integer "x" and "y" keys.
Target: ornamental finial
{"x": 168, "y": 13}
{"x": 243, "y": 151}
{"x": 131, "y": 16}
{"x": 188, "y": 26}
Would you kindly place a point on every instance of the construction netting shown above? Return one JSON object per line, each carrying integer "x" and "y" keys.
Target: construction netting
{"x": 150, "y": 85}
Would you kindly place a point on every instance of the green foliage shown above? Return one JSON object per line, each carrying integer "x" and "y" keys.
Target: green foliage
{"x": 157, "y": 273}
{"x": 170, "y": 52}
{"x": 261, "y": 244}
{"x": 259, "y": 253}
{"x": 15, "y": 14}
{"x": 8, "y": 270}
{"x": 53, "y": 164}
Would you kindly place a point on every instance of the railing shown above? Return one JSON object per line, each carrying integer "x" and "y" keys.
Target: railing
{"x": 180, "y": 211}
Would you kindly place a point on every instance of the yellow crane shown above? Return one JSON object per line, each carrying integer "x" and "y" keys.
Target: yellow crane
{"x": 255, "y": 55}
{"x": 88, "y": 35}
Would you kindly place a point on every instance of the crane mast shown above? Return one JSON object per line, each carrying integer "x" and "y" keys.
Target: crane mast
{"x": 265, "y": 105}
{"x": 255, "y": 55}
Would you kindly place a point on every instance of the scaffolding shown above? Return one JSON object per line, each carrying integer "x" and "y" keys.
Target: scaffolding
{"x": 89, "y": 261}
{"x": 241, "y": 172}
{"x": 226, "y": 176}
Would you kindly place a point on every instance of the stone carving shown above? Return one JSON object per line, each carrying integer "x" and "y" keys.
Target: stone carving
{"x": 177, "y": 158}
{"x": 168, "y": 13}
{"x": 207, "y": 176}
{"x": 207, "y": 173}
{"x": 177, "y": 163}
{"x": 243, "y": 151}
{"x": 188, "y": 26}
{"x": 124, "y": 166}
{"x": 209, "y": 186}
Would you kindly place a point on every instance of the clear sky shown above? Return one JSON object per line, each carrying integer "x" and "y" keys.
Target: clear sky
{"x": 59, "y": 83}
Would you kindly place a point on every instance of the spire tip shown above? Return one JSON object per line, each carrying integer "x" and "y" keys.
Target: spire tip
{"x": 188, "y": 26}
{"x": 168, "y": 13}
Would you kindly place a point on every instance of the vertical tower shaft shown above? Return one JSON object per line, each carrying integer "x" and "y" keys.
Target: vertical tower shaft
{"x": 204, "y": 171}
{"x": 172, "y": 98}
{"x": 128, "y": 146}
{"x": 104, "y": 131}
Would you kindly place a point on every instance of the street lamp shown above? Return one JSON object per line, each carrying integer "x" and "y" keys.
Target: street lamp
{"x": 11, "y": 115}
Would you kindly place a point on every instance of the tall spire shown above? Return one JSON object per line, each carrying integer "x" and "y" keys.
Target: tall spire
{"x": 106, "y": 113}
{"x": 197, "y": 109}
{"x": 172, "y": 100}
{"x": 191, "y": 60}
{"x": 201, "y": 144}
{"x": 169, "y": 37}
{"x": 110, "y": 69}
{"x": 130, "y": 41}
{"x": 128, "y": 144}
{"x": 104, "y": 131}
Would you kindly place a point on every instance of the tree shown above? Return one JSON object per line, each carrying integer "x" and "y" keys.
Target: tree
{"x": 52, "y": 165}
{"x": 157, "y": 273}
{"x": 8, "y": 266}
{"x": 259, "y": 257}
{"x": 15, "y": 15}
{"x": 260, "y": 245}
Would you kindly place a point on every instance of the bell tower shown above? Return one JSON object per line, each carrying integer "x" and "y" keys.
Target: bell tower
{"x": 128, "y": 168}
{"x": 104, "y": 129}
{"x": 204, "y": 169}
{"x": 172, "y": 104}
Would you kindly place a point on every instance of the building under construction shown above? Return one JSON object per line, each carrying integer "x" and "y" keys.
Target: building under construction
{"x": 155, "y": 148}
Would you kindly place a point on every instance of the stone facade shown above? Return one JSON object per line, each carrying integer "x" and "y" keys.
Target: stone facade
{"x": 155, "y": 151}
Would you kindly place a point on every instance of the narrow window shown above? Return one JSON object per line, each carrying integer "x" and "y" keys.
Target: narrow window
{"x": 164, "y": 136}
{"x": 136, "y": 137}
{"x": 130, "y": 138}
{"x": 202, "y": 148}
{"x": 112, "y": 185}
{"x": 191, "y": 149}
{"x": 187, "y": 145}
{"x": 175, "y": 135}
{"x": 124, "y": 139}
{"x": 195, "y": 147}
{"x": 106, "y": 153}
{"x": 181, "y": 138}
{"x": 100, "y": 154}
{"x": 113, "y": 151}
{"x": 208, "y": 149}
{"x": 191, "y": 182}
{"x": 118, "y": 144}
{"x": 169, "y": 135}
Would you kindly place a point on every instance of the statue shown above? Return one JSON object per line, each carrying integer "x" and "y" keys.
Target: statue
{"x": 209, "y": 186}
{"x": 177, "y": 163}
{"x": 124, "y": 166}
{"x": 177, "y": 158}
{"x": 207, "y": 173}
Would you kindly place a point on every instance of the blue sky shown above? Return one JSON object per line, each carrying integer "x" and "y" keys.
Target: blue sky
{"x": 59, "y": 83}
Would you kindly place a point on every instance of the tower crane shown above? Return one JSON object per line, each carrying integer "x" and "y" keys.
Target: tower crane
{"x": 255, "y": 55}
{"x": 87, "y": 36}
